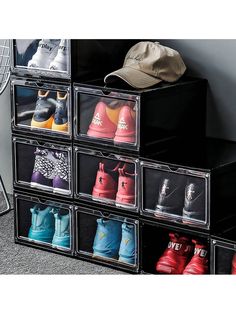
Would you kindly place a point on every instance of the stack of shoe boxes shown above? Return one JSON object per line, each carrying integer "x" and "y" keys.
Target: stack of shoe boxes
{"x": 110, "y": 174}
{"x": 114, "y": 127}
{"x": 42, "y": 129}
{"x": 187, "y": 195}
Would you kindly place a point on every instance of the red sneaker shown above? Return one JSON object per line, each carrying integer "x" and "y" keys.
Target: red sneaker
{"x": 126, "y": 187}
{"x": 176, "y": 255}
{"x": 199, "y": 262}
{"x": 126, "y": 128}
{"x": 106, "y": 182}
{"x": 234, "y": 265}
{"x": 104, "y": 122}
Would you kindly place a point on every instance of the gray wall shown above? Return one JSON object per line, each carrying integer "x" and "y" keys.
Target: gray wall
{"x": 212, "y": 59}
{"x": 216, "y": 61}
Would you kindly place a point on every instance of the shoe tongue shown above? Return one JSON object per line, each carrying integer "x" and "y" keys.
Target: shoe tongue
{"x": 179, "y": 244}
{"x": 200, "y": 249}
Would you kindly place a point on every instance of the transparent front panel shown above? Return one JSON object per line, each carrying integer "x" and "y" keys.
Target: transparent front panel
{"x": 107, "y": 119}
{"x": 50, "y": 57}
{"x": 170, "y": 252}
{"x": 108, "y": 238}
{"x": 45, "y": 223}
{"x": 180, "y": 195}
{"x": 108, "y": 179}
{"x": 45, "y": 109}
{"x": 224, "y": 258}
{"x": 42, "y": 166}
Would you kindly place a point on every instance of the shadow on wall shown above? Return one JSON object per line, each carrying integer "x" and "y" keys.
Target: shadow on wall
{"x": 215, "y": 61}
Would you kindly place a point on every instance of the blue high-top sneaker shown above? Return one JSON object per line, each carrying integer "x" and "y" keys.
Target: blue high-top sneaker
{"x": 42, "y": 227}
{"x": 107, "y": 239}
{"x": 128, "y": 244}
{"x": 62, "y": 230}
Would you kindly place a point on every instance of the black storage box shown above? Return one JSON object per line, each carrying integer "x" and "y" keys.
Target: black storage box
{"x": 41, "y": 98}
{"x": 223, "y": 252}
{"x": 42, "y": 166}
{"x": 139, "y": 121}
{"x": 192, "y": 184}
{"x": 111, "y": 239}
{"x": 40, "y": 222}
{"x": 156, "y": 238}
{"x": 102, "y": 177}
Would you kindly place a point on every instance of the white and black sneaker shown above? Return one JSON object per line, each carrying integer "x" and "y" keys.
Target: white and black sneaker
{"x": 60, "y": 61}
{"x": 171, "y": 197}
{"x": 46, "y": 52}
{"x": 194, "y": 205}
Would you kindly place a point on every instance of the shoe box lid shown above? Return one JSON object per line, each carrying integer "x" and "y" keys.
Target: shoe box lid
{"x": 122, "y": 87}
{"x": 208, "y": 154}
{"x": 226, "y": 234}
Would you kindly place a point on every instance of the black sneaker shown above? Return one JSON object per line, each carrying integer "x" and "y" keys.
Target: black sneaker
{"x": 171, "y": 196}
{"x": 194, "y": 204}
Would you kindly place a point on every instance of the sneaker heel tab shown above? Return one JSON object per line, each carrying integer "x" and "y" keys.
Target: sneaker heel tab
{"x": 101, "y": 166}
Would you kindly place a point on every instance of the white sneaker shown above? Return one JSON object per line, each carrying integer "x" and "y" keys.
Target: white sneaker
{"x": 46, "y": 52}
{"x": 60, "y": 61}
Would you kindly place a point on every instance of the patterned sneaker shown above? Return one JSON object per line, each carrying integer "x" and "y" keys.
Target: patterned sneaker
{"x": 127, "y": 249}
{"x": 107, "y": 239}
{"x": 60, "y": 121}
{"x": 42, "y": 225}
{"x": 61, "y": 173}
{"x": 62, "y": 230}
{"x": 199, "y": 262}
{"x": 46, "y": 52}
{"x": 60, "y": 61}
{"x": 44, "y": 111}
{"x": 43, "y": 172}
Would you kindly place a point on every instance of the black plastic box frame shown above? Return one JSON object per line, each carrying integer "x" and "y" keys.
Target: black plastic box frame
{"x": 161, "y": 113}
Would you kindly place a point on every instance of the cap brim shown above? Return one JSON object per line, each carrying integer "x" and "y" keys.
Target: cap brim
{"x": 133, "y": 77}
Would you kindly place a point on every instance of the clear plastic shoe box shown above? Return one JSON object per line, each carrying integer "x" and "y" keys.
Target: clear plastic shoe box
{"x": 139, "y": 121}
{"x": 109, "y": 239}
{"x": 44, "y": 222}
{"x": 42, "y": 58}
{"x": 42, "y": 166}
{"x": 223, "y": 250}
{"x": 41, "y": 108}
{"x": 191, "y": 184}
{"x": 106, "y": 178}
{"x": 171, "y": 250}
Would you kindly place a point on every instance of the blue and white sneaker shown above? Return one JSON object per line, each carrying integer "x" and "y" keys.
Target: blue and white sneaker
{"x": 62, "y": 230}
{"x": 127, "y": 249}
{"x": 107, "y": 239}
{"x": 42, "y": 224}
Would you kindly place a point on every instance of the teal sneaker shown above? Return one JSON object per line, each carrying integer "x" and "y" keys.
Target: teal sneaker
{"x": 42, "y": 224}
{"x": 62, "y": 230}
{"x": 127, "y": 246}
{"x": 107, "y": 239}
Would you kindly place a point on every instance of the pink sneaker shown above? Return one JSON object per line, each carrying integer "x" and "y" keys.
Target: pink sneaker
{"x": 104, "y": 122}
{"x": 126, "y": 128}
